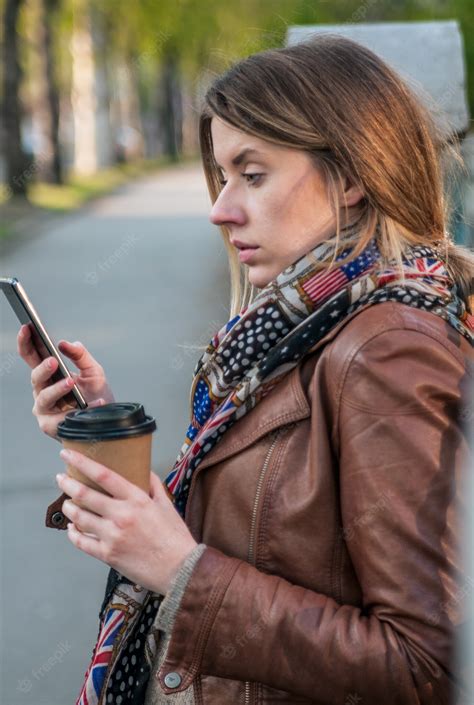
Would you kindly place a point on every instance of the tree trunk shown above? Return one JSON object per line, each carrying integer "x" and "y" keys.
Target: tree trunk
{"x": 171, "y": 109}
{"x": 129, "y": 135}
{"x": 101, "y": 24}
{"x": 54, "y": 172}
{"x": 17, "y": 175}
{"x": 83, "y": 93}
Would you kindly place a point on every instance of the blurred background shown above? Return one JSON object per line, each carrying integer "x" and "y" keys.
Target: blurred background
{"x": 93, "y": 86}
{"x": 104, "y": 220}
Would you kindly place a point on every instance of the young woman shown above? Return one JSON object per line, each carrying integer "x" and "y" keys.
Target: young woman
{"x": 314, "y": 555}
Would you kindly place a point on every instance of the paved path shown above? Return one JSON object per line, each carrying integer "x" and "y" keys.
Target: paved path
{"x": 133, "y": 276}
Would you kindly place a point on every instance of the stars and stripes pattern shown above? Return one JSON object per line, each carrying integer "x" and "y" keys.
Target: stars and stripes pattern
{"x": 95, "y": 674}
{"x": 322, "y": 285}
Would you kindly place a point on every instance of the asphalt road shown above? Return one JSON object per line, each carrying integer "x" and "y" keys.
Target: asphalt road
{"x": 134, "y": 276}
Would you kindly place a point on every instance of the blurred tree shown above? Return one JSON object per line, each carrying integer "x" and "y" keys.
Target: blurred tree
{"x": 15, "y": 158}
{"x": 83, "y": 91}
{"x": 54, "y": 172}
{"x": 171, "y": 108}
{"x": 132, "y": 75}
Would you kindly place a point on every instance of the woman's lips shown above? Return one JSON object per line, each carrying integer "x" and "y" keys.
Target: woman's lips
{"x": 247, "y": 253}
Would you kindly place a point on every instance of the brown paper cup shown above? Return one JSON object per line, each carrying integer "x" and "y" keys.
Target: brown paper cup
{"x": 129, "y": 456}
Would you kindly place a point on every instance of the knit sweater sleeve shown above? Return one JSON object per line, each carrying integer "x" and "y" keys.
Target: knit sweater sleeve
{"x": 171, "y": 600}
{"x": 166, "y": 615}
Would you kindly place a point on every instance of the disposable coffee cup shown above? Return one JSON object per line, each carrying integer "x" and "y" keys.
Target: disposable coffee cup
{"x": 117, "y": 435}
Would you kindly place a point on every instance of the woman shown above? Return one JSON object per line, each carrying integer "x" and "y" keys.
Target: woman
{"x": 314, "y": 555}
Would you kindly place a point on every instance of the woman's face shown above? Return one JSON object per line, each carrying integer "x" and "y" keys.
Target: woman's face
{"x": 274, "y": 200}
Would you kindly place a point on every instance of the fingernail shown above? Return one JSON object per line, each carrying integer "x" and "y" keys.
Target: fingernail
{"x": 77, "y": 344}
{"x": 97, "y": 402}
{"x": 65, "y": 454}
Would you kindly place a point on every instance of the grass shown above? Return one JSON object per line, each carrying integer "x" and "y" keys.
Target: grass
{"x": 79, "y": 190}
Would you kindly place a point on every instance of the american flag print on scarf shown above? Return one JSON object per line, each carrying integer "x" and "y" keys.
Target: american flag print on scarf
{"x": 242, "y": 363}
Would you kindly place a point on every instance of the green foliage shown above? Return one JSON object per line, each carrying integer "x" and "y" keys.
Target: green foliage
{"x": 207, "y": 36}
{"x": 212, "y": 34}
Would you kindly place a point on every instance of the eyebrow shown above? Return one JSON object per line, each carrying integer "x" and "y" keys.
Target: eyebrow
{"x": 238, "y": 159}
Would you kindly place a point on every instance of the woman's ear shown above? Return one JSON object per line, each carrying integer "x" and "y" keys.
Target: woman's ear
{"x": 353, "y": 193}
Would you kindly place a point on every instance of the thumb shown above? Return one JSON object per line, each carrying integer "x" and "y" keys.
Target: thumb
{"x": 156, "y": 485}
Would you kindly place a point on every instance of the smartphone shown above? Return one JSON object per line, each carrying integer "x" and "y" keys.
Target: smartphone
{"x": 26, "y": 314}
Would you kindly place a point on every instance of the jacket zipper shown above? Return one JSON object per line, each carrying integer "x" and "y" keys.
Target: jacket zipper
{"x": 251, "y": 551}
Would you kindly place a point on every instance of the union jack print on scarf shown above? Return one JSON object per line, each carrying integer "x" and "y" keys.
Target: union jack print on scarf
{"x": 95, "y": 674}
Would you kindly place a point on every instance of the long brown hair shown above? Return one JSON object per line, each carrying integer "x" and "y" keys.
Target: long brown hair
{"x": 341, "y": 103}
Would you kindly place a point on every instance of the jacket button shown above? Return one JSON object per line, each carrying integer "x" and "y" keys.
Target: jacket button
{"x": 172, "y": 680}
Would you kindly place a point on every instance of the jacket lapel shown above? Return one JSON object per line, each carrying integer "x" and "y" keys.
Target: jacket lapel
{"x": 287, "y": 402}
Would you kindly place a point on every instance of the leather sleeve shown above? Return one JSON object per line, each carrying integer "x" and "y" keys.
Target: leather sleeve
{"x": 403, "y": 449}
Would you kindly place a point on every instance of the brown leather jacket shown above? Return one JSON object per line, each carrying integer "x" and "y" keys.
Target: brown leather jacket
{"x": 331, "y": 514}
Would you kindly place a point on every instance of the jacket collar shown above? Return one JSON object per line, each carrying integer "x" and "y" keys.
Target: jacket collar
{"x": 287, "y": 402}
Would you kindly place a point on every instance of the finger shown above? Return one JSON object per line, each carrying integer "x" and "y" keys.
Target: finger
{"x": 43, "y": 372}
{"x": 26, "y": 349}
{"x": 85, "y": 543}
{"x": 86, "y": 497}
{"x": 82, "y": 519}
{"x": 105, "y": 477}
{"x": 78, "y": 354}
{"x": 49, "y": 395}
{"x": 96, "y": 402}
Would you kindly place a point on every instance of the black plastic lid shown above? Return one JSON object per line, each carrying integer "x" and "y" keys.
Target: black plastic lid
{"x": 109, "y": 422}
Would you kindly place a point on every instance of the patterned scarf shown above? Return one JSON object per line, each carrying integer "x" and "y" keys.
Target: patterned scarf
{"x": 244, "y": 360}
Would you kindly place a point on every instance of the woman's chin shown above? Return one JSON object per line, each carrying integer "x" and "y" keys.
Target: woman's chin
{"x": 258, "y": 280}
{"x": 262, "y": 274}
{"x": 260, "y": 277}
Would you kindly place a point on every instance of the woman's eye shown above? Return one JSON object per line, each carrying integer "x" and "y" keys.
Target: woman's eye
{"x": 253, "y": 178}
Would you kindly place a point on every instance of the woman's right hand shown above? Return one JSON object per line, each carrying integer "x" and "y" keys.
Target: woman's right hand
{"x": 49, "y": 405}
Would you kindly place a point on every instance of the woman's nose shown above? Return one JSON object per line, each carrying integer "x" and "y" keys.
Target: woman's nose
{"x": 224, "y": 211}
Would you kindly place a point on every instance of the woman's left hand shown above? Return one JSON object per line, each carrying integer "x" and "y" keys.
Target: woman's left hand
{"x": 143, "y": 537}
